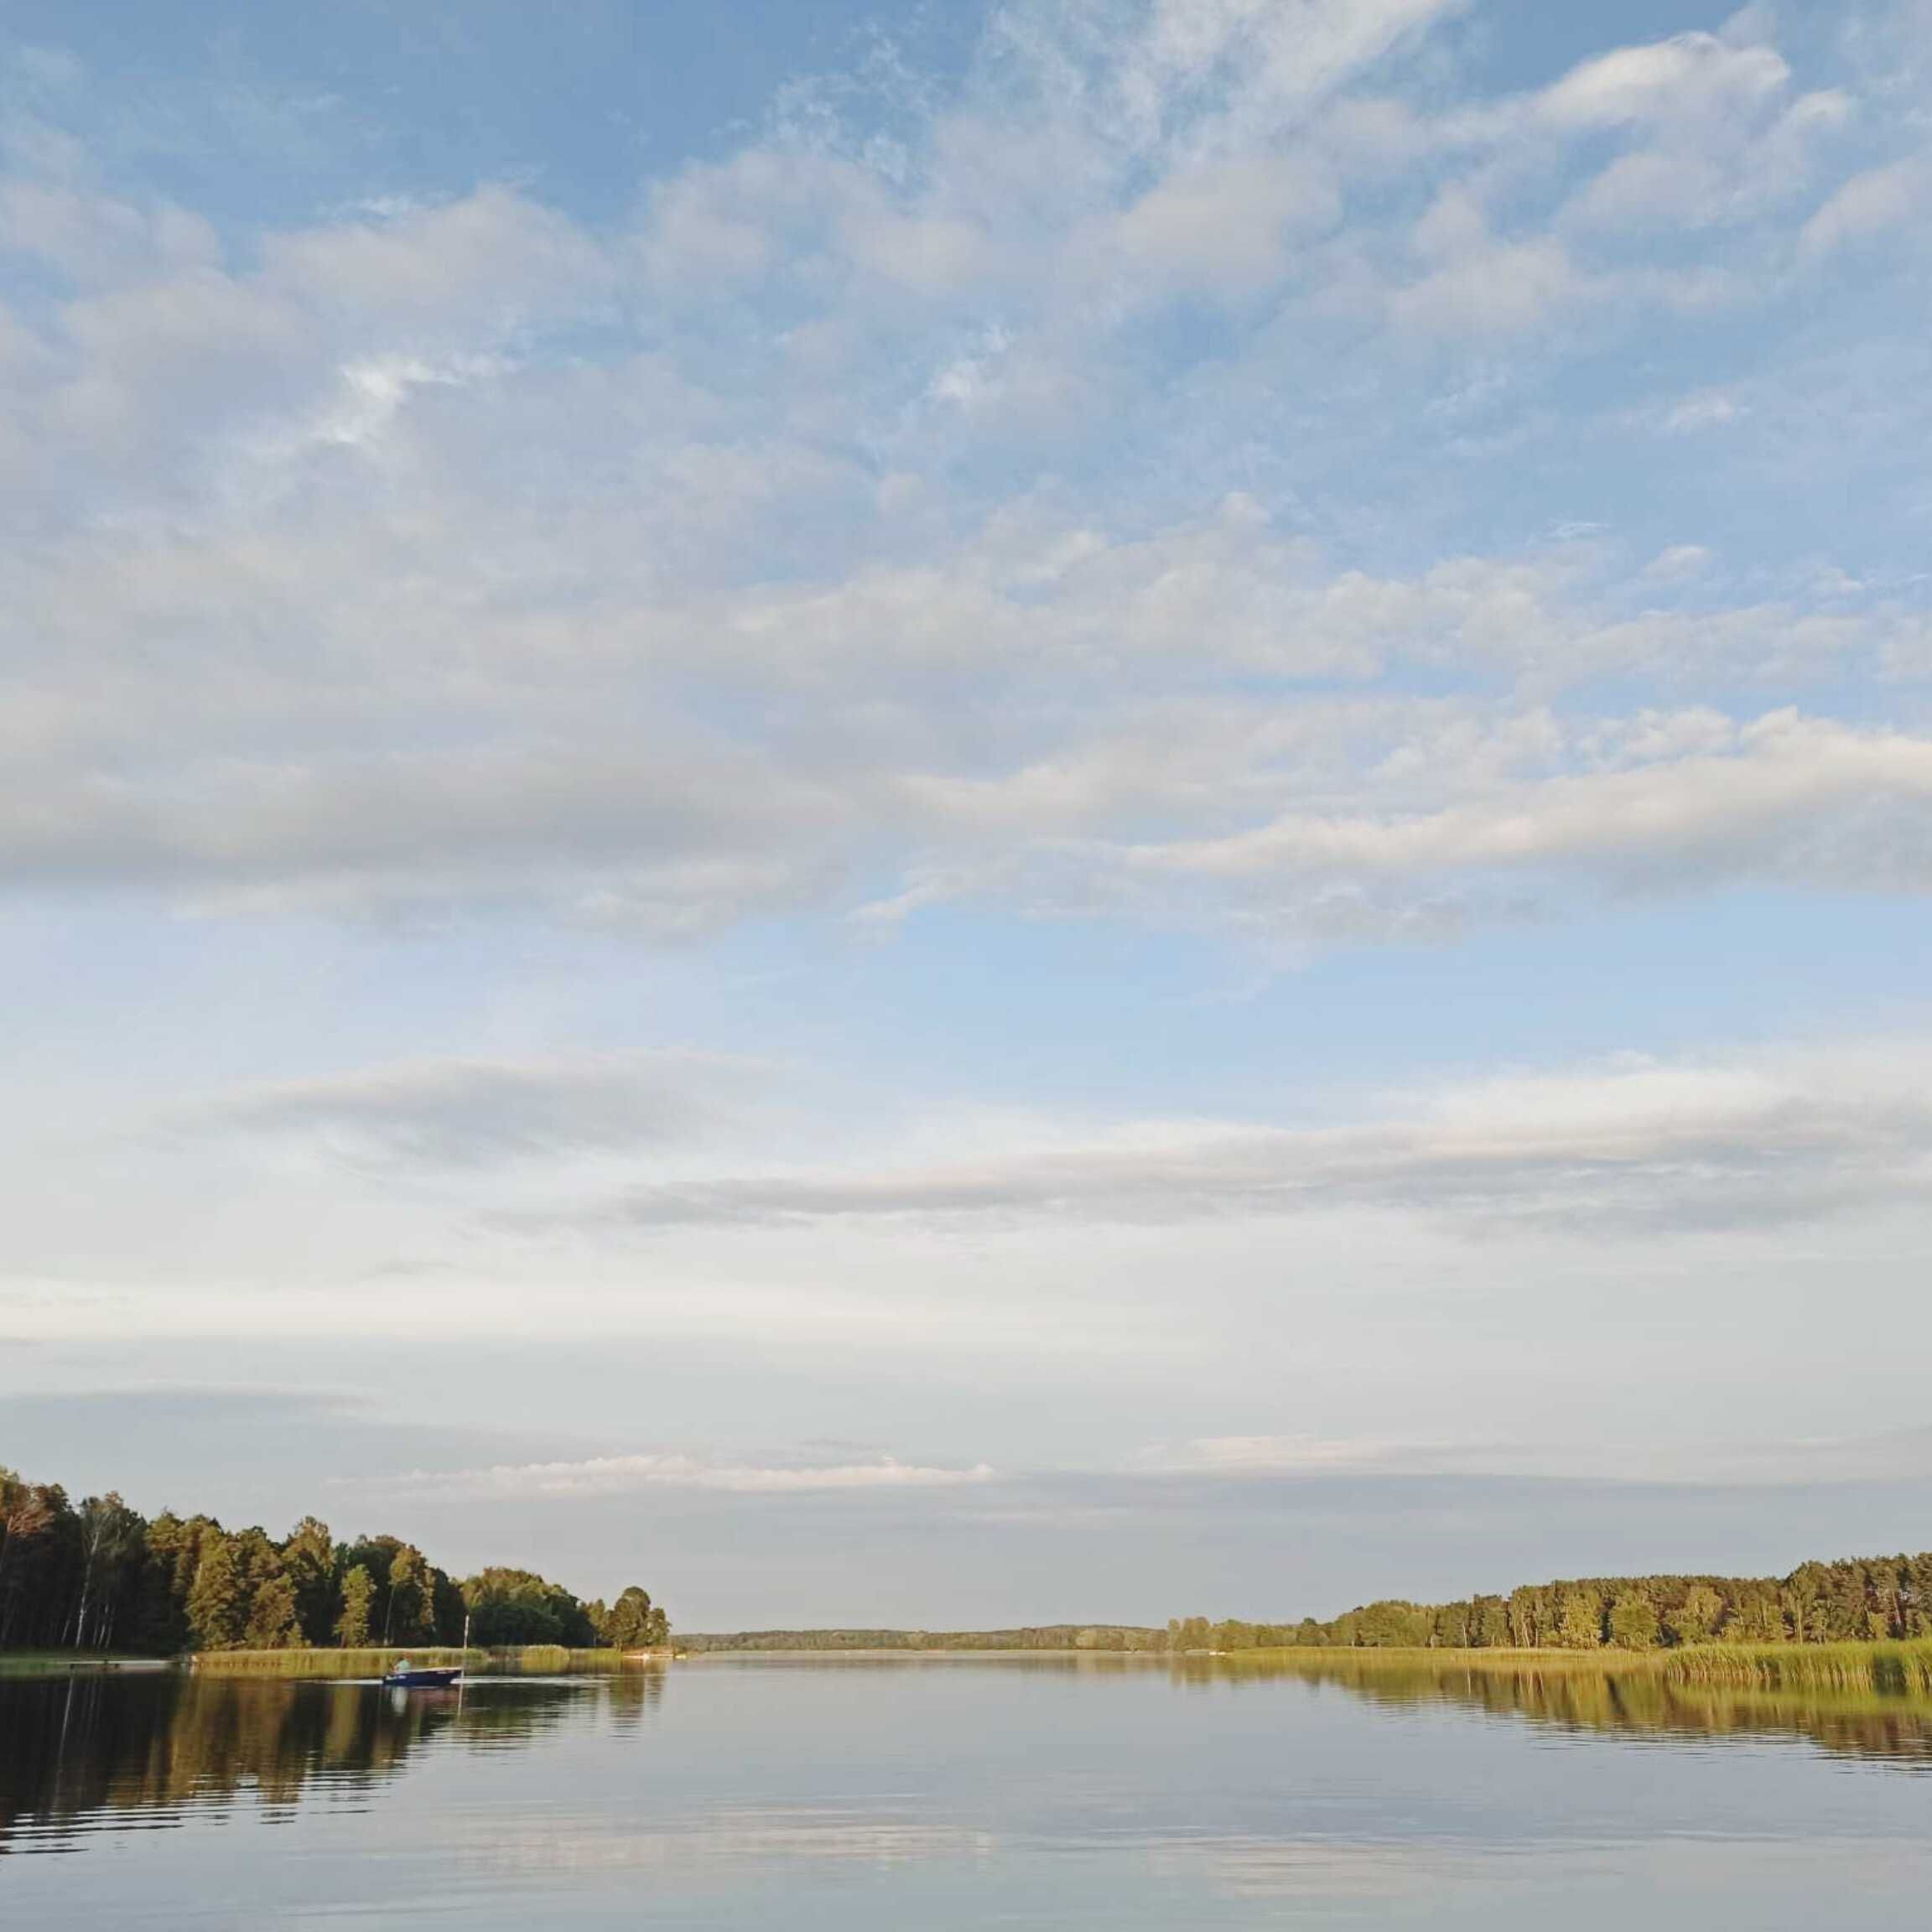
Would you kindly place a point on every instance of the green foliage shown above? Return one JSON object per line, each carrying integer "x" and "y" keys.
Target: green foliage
{"x": 99, "y": 1576}
{"x": 1633, "y": 1622}
{"x": 1857, "y": 1601}
{"x": 309, "y": 1561}
{"x": 109, "y": 1535}
{"x": 274, "y": 1624}
{"x": 217, "y": 1602}
{"x": 633, "y": 1623}
{"x": 1695, "y": 1619}
{"x": 1890, "y": 1669}
{"x": 519, "y": 1607}
{"x": 1580, "y": 1627}
{"x": 358, "y": 1598}
{"x": 410, "y": 1616}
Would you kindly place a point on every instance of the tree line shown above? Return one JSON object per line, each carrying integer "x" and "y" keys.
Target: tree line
{"x": 1115, "y": 1637}
{"x": 1860, "y": 1599}
{"x": 99, "y": 1576}
{"x": 1855, "y": 1600}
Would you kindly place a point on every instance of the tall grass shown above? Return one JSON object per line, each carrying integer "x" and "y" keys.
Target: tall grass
{"x": 533, "y": 1660}
{"x": 1890, "y": 1669}
{"x": 1885, "y": 1669}
{"x": 1392, "y": 1657}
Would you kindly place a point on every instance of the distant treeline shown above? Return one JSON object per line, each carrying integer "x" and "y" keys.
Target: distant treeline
{"x": 1856, "y": 1600}
{"x": 1030, "y": 1636}
{"x": 99, "y": 1576}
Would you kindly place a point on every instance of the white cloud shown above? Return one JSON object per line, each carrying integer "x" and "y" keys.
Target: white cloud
{"x": 1273, "y": 1455}
{"x": 1867, "y": 204}
{"x": 1225, "y": 228}
{"x": 1685, "y": 1452}
{"x": 461, "y": 1111}
{"x": 640, "y": 1474}
{"x": 94, "y": 240}
{"x": 1633, "y": 1147}
{"x": 1690, "y": 73}
{"x": 1677, "y": 562}
{"x": 1045, "y": 683}
{"x": 1790, "y": 797}
{"x": 1710, "y": 409}
{"x": 1209, "y": 468}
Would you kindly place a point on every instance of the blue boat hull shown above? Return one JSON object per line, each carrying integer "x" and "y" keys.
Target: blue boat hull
{"x": 422, "y": 1680}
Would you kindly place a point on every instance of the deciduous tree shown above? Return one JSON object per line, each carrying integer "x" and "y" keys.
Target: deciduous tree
{"x": 218, "y": 1604}
{"x": 1633, "y": 1622}
{"x": 358, "y": 1595}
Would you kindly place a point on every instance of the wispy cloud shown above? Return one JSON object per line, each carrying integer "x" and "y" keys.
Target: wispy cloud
{"x": 749, "y": 644}
{"x": 1632, "y": 1147}
{"x": 1202, "y": 1465}
{"x": 638, "y": 1474}
{"x": 462, "y": 1111}
{"x": 888, "y": 606}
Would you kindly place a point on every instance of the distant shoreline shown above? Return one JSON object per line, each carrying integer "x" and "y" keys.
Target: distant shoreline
{"x": 69, "y": 1664}
{"x": 1885, "y": 1668}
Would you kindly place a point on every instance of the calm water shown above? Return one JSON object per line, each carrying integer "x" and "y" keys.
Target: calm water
{"x": 935, "y": 1794}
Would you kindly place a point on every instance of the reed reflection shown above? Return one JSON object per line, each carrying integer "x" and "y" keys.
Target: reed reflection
{"x": 1577, "y": 1695}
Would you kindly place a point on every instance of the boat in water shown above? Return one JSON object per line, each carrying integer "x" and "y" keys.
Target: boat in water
{"x": 406, "y": 1676}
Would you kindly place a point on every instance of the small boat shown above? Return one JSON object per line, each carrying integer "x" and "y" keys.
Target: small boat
{"x": 406, "y": 1677}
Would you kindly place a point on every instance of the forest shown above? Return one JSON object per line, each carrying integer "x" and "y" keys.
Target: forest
{"x": 1854, "y": 1600}
{"x": 1858, "y": 1600}
{"x": 99, "y": 1576}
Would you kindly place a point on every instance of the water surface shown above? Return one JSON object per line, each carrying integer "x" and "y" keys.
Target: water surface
{"x": 940, "y": 1793}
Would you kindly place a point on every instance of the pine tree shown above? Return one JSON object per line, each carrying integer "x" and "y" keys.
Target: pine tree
{"x": 309, "y": 1558}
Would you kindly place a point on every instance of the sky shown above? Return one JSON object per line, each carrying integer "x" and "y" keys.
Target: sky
{"x": 1083, "y": 809}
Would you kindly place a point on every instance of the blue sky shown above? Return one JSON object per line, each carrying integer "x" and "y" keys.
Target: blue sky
{"x": 1129, "y": 793}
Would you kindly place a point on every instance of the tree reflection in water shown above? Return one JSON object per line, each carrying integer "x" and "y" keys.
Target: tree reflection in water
{"x": 95, "y": 1751}
{"x": 1577, "y": 1696}
{"x": 148, "y": 1747}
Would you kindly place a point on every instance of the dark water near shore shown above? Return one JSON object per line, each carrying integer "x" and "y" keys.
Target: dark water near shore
{"x": 913, "y": 1793}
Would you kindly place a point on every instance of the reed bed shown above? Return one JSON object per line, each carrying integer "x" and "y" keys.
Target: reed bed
{"x": 1498, "y": 1660}
{"x": 533, "y": 1659}
{"x": 1890, "y": 1670}
{"x": 1884, "y": 1670}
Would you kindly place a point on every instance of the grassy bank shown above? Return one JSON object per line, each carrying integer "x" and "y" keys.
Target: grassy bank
{"x": 534, "y": 1659}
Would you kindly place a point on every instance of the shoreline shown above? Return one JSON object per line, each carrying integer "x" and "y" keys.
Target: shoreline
{"x": 1890, "y": 1667}
{"x": 44, "y": 1664}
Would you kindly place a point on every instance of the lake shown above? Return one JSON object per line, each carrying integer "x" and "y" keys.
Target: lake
{"x": 971, "y": 1791}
